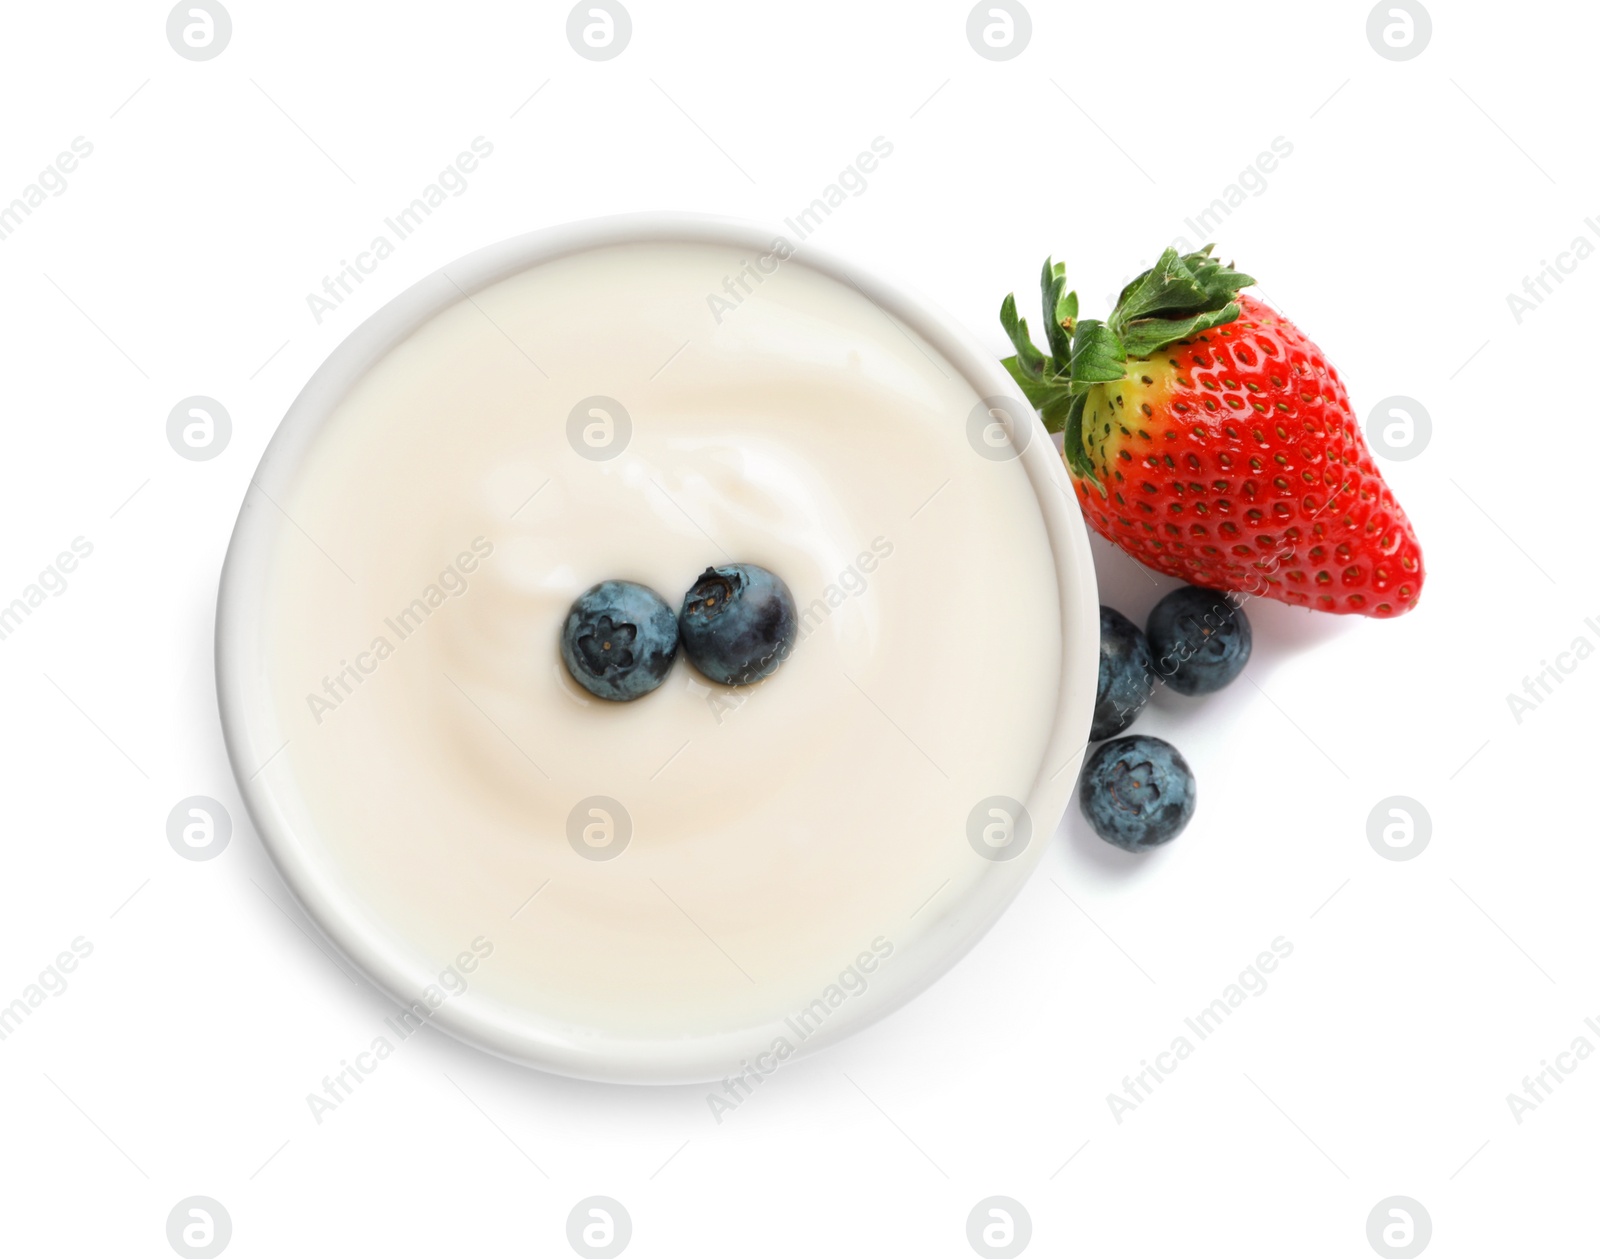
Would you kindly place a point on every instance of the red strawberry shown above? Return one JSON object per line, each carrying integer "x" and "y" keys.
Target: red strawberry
{"x": 1210, "y": 439}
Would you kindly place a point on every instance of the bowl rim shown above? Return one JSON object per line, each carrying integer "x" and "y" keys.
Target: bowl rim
{"x": 249, "y": 723}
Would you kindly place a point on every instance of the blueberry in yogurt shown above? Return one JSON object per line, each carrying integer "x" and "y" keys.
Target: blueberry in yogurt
{"x": 619, "y": 640}
{"x": 738, "y": 623}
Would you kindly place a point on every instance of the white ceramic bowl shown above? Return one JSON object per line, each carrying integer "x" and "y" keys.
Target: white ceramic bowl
{"x": 253, "y": 737}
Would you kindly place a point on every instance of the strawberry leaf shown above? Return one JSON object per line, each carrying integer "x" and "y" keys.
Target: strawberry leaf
{"x": 1146, "y": 336}
{"x": 1029, "y": 359}
{"x": 1176, "y": 298}
{"x": 1056, "y": 411}
{"x": 1033, "y": 388}
{"x": 1060, "y": 308}
{"x": 1098, "y": 355}
{"x": 1049, "y": 394}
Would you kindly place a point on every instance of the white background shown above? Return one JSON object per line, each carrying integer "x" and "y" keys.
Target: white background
{"x": 1419, "y": 993}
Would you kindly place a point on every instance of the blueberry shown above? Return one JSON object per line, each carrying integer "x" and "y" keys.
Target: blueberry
{"x": 1137, "y": 792}
{"x": 1200, "y": 640}
{"x": 738, "y": 623}
{"x": 1126, "y": 675}
{"x": 619, "y": 640}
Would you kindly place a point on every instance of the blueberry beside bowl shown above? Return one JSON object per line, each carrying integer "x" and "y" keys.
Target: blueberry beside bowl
{"x": 1127, "y": 675}
{"x": 1137, "y": 792}
{"x": 1200, "y": 639}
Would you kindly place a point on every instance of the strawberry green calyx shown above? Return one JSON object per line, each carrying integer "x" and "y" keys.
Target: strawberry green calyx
{"x": 1178, "y": 297}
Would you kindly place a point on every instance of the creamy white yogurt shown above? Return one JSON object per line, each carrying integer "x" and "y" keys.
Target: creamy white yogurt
{"x": 443, "y": 524}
